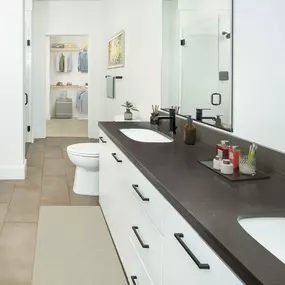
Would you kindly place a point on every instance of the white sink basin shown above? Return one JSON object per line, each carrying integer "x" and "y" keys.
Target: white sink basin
{"x": 269, "y": 232}
{"x": 145, "y": 135}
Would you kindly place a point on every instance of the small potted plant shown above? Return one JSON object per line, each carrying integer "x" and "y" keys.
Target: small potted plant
{"x": 128, "y": 115}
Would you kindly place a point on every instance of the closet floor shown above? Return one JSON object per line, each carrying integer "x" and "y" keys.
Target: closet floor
{"x": 67, "y": 128}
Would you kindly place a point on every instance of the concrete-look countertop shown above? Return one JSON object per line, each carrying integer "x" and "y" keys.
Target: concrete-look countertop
{"x": 210, "y": 203}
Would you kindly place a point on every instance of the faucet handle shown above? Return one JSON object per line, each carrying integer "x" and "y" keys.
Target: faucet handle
{"x": 204, "y": 109}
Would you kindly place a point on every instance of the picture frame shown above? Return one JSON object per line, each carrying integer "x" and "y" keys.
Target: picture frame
{"x": 116, "y": 51}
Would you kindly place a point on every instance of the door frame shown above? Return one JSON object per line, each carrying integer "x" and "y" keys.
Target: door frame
{"x": 47, "y": 70}
{"x": 28, "y": 83}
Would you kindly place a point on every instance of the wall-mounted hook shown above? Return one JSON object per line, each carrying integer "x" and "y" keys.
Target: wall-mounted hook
{"x": 226, "y": 34}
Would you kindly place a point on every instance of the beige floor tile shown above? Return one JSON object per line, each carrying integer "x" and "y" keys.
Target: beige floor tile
{"x": 6, "y": 191}
{"x": 35, "y": 157}
{"x": 55, "y": 191}
{"x": 67, "y": 161}
{"x": 34, "y": 178}
{"x": 81, "y": 200}
{"x": 17, "y": 247}
{"x": 53, "y": 141}
{"x": 24, "y": 206}
{"x": 54, "y": 166}
{"x": 53, "y": 152}
{"x": 39, "y": 142}
{"x": 3, "y": 212}
{"x": 69, "y": 141}
{"x": 70, "y": 174}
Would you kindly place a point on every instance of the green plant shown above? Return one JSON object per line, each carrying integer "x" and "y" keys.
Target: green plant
{"x": 129, "y": 106}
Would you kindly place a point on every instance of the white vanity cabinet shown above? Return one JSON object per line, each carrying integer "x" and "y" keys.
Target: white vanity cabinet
{"x": 187, "y": 258}
{"x": 156, "y": 245}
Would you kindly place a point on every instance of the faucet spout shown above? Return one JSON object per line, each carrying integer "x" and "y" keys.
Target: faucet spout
{"x": 172, "y": 120}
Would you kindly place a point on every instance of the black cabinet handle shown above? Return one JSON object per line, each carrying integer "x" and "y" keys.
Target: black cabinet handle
{"x": 135, "y": 186}
{"x": 27, "y": 99}
{"x": 179, "y": 237}
{"x": 134, "y": 278}
{"x": 220, "y": 99}
{"x": 116, "y": 158}
{"x": 135, "y": 229}
{"x": 102, "y": 140}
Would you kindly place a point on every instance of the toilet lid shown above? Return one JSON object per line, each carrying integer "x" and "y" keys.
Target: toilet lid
{"x": 84, "y": 149}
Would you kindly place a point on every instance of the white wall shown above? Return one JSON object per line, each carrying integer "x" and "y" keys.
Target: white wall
{"x": 68, "y": 18}
{"x": 12, "y": 90}
{"x": 259, "y": 71}
{"x": 142, "y": 22}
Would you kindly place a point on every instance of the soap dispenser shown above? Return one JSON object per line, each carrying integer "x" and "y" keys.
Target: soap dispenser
{"x": 190, "y": 132}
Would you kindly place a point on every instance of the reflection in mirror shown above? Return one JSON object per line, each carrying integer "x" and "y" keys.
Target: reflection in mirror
{"x": 197, "y": 59}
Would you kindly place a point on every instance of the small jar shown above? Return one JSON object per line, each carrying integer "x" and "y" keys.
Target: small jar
{"x": 227, "y": 167}
{"x": 217, "y": 163}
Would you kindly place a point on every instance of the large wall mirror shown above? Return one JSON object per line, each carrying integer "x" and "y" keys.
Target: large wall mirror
{"x": 197, "y": 60}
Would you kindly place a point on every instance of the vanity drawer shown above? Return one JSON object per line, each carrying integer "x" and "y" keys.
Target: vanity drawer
{"x": 147, "y": 196}
{"x": 188, "y": 259}
{"x": 135, "y": 270}
{"x": 148, "y": 243}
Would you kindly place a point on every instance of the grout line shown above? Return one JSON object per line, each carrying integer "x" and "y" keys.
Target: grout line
{"x": 6, "y": 214}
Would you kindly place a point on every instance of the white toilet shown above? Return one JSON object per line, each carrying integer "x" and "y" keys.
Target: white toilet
{"x": 86, "y": 158}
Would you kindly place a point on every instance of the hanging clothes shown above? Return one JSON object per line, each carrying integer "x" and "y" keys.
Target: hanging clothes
{"x": 68, "y": 64}
{"x": 83, "y": 61}
{"x": 61, "y": 63}
{"x": 64, "y": 62}
{"x": 82, "y": 102}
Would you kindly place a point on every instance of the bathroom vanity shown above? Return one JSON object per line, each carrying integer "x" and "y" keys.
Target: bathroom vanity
{"x": 175, "y": 222}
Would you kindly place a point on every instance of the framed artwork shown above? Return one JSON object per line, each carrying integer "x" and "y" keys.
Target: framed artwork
{"x": 116, "y": 51}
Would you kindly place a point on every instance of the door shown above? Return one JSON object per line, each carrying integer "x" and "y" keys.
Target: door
{"x": 27, "y": 77}
{"x": 200, "y": 60}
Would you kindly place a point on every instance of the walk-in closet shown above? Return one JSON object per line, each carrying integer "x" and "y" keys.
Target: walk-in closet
{"x": 67, "y": 86}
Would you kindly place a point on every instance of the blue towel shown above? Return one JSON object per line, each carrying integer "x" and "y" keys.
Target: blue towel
{"x": 83, "y": 61}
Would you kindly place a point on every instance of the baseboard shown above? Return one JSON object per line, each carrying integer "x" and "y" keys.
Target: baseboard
{"x": 13, "y": 172}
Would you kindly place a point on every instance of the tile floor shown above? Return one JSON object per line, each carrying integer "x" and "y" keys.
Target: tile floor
{"x": 49, "y": 181}
{"x": 67, "y": 128}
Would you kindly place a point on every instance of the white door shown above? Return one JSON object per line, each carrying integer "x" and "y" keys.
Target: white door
{"x": 27, "y": 77}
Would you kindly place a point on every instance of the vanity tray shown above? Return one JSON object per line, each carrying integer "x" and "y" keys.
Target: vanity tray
{"x": 236, "y": 176}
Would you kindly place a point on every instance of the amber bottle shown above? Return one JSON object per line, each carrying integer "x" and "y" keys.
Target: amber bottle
{"x": 189, "y": 132}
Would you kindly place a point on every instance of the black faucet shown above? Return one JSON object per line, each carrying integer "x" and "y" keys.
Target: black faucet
{"x": 171, "y": 118}
{"x": 199, "y": 115}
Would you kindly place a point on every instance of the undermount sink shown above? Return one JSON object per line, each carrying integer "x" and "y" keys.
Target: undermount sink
{"x": 269, "y": 232}
{"x": 145, "y": 135}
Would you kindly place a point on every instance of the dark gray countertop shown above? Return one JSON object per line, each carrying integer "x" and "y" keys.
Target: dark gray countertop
{"x": 210, "y": 203}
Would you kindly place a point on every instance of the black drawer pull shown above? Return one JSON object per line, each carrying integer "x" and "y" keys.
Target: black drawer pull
{"x": 135, "y": 229}
{"x": 102, "y": 140}
{"x": 116, "y": 158}
{"x": 179, "y": 237}
{"x": 134, "y": 278}
{"x": 135, "y": 186}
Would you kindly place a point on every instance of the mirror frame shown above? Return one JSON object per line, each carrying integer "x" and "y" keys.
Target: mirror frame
{"x": 231, "y": 129}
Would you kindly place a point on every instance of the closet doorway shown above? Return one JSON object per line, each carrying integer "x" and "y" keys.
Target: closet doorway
{"x": 67, "y": 86}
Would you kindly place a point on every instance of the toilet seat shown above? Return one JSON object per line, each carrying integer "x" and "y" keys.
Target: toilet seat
{"x": 84, "y": 149}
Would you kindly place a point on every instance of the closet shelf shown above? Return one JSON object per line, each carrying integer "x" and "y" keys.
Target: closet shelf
{"x": 67, "y": 86}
